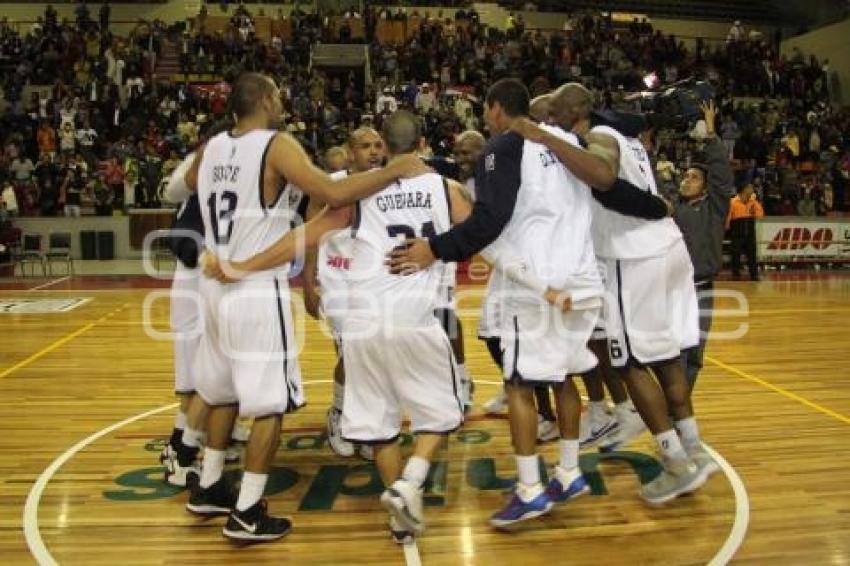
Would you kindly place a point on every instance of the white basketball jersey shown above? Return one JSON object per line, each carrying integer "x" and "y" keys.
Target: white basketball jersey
{"x": 550, "y": 225}
{"x": 617, "y": 236}
{"x": 238, "y": 223}
{"x": 334, "y": 253}
{"x": 409, "y": 208}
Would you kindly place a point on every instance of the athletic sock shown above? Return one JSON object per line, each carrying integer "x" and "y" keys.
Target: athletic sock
{"x": 212, "y": 466}
{"x": 569, "y": 454}
{"x": 689, "y": 432}
{"x": 528, "y": 469}
{"x": 670, "y": 445}
{"x": 416, "y": 471}
{"x": 251, "y": 490}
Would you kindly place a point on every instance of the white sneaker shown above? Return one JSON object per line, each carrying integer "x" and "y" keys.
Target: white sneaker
{"x": 677, "y": 478}
{"x": 629, "y": 426}
{"x": 400, "y": 534}
{"x": 595, "y": 427}
{"x": 547, "y": 430}
{"x": 703, "y": 460}
{"x": 497, "y": 404}
{"x": 404, "y": 503}
{"x": 338, "y": 444}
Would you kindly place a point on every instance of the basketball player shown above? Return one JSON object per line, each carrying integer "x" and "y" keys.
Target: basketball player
{"x": 185, "y": 320}
{"x": 179, "y": 455}
{"x": 246, "y": 356}
{"x": 649, "y": 280}
{"x": 329, "y": 267}
{"x": 521, "y": 196}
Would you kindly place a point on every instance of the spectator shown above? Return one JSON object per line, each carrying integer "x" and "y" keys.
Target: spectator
{"x": 67, "y": 138}
{"x": 730, "y": 133}
{"x": 21, "y": 168}
{"x": 744, "y": 210}
{"x": 807, "y": 205}
{"x": 425, "y": 100}
{"x": 10, "y": 200}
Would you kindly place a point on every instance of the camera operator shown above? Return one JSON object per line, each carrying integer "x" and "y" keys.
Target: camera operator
{"x": 704, "y": 193}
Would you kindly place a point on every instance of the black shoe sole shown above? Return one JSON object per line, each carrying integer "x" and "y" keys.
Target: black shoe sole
{"x": 246, "y": 537}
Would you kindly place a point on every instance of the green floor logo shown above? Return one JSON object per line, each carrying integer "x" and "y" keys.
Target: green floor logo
{"x": 362, "y": 479}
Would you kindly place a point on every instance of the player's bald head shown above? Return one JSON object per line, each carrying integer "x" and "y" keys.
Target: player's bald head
{"x": 401, "y": 132}
{"x": 538, "y": 110}
{"x": 360, "y": 133}
{"x": 573, "y": 94}
{"x": 569, "y": 104}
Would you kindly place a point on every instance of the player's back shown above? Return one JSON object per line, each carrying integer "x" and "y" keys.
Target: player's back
{"x": 409, "y": 208}
{"x": 550, "y": 225}
{"x": 238, "y": 222}
{"x": 618, "y": 236}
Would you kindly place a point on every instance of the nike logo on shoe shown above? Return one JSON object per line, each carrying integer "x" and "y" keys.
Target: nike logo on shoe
{"x": 250, "y": 528}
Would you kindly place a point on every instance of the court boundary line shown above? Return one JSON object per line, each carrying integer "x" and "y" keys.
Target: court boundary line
{"x": 59, "y": 342}
{"x": 37, "y": 547}
{"x": 50, "y": 283}
{"x": 776, "y": 389}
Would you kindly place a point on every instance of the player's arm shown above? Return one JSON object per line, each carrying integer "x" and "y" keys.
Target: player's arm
{"x": 311, "y": 286}
{"x": 285, "y": 250}
{"x": 177, "y": 190}
{"x": 191, "y": 176}
{"x": 289, "y": 160}
{"x": 598, "y": 165}
{"x": 460, "y": 203}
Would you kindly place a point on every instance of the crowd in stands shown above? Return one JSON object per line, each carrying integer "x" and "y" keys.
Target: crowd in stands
{"x": 88, "y": 127}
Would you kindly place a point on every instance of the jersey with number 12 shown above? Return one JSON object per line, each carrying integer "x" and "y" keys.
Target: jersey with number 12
{"x": 238, "y": 222}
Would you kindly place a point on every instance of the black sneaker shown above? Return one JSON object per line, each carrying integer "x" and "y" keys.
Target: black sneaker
{"x": 256, "y": 525}
{"x": 217, "y": 499}
{"x": 400, "y": 534}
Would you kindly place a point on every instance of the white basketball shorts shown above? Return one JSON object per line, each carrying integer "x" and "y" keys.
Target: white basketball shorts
{"x": 186, "y": 325}
{"x": 541, "y": 344}
{"x": 408, "y": 370}
{"x": 651, "y": 308}
{"x": 248, "y": 353}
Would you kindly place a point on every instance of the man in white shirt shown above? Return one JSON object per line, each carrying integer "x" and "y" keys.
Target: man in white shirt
{"x": 425, "y": 100}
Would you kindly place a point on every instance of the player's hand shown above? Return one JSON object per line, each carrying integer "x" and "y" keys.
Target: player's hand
{"x": 312, "y": 300}
{"x": 670, "y": 208}
{"x": 559, "y": 299}
{"x": 217, "y": 269}
{"x": 410, "y": 257}
{"x": 528, "y": 129}
{"x": 709, "y": 113}
{"x": 410, "y": 165}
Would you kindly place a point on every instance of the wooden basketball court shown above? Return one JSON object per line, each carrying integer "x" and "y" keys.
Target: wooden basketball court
{"x": 87, "y": 405}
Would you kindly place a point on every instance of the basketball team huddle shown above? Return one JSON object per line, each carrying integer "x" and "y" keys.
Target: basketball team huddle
{"x": 589, "y": 273}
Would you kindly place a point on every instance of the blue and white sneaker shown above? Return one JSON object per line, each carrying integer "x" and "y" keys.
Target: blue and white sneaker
{"x": 518, "y": 510}
{"x": 576, "y": 485}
